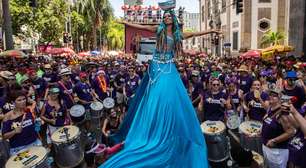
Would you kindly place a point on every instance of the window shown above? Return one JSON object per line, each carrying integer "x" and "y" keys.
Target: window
{"x": 235, "y": 40}
{"x": 223, "y": 6}
{"x": 264, "y": 1}
{"x": 264, "y": 25}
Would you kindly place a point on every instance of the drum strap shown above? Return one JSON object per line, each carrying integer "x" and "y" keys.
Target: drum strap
{"x": 65, "y": 88}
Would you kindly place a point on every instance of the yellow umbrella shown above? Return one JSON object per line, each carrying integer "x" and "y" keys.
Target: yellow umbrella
{"x": 268, "y": 55}
{"x": 279, "y": 48}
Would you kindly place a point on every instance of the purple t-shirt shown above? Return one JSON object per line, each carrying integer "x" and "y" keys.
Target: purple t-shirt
{"x": 131, "y": 85}
{"x": 245, "y": 83}
{"x": 83, "y": 91}
{"x": 28, "y": 134}
{"x": 67, "y": 97}
{"x": 257, "y": 112}
{"x": 297, "y": 149}
{"x": 213, "y": 108}
{"x": 60, "y": 114}
{"x": 271, "y": 128}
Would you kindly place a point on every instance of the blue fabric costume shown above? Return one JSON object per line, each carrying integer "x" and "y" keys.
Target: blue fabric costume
{"x": 161, "y": 129}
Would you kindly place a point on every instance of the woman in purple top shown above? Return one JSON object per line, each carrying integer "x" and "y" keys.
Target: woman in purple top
{"x": 256, "y": 102}
{"x": 214, "y": 102}
{"x": 297, "y": 145}
{"x": 276, "y": 132}
{"x": 19, "y": 124}
{"x": 66, "y": 88}
{"x": 54, "y": 113}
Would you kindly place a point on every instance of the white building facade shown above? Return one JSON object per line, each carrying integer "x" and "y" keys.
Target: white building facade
{"x": 243, "y": 31}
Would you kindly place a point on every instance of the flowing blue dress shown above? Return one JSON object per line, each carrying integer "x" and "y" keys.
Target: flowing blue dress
{"x": 161, "y": 129}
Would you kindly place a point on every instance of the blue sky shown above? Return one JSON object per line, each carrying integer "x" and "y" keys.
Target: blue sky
{"x": 190, "y": 5}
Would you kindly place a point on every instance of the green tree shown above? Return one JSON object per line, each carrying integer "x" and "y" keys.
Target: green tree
{"x": 115, "y": 35}
{"x": 47, "y": 19}
{"x": 272, "y": 38}
{"x": 97, "y": 13}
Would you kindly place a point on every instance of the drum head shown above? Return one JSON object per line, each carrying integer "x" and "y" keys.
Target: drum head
{"x": 251, "y": 128}
{"x": 97, "y": 106}
{"x": 27, "y": 158}
{"x": 233, "y": 122}
{"x": 212, "y": 127}
{"x": 77, "y": 110}
{"x": 109, "y": 102}
{"x": 59, "y": 135}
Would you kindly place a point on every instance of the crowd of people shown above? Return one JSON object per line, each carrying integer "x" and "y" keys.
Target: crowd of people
{"x": 36, "y": 95}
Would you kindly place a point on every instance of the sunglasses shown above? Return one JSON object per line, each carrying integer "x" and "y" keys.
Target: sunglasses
{"x": 216, "y": 84}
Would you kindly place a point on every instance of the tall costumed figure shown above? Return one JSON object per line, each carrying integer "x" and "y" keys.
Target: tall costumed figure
{"x": 161, "y": 129}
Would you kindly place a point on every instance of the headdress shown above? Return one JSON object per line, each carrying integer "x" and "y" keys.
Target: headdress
{"x": 168, "y": 7}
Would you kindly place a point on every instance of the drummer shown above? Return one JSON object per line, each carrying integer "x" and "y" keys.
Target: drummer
{"x": 214, "y": 102}
{"x": 66, "y": 87}
{"x": 276, "y": 132}
{"x": 54, "y": 112}
{"x": 101, "y": 85}
{"x": 84, "y": 91}
{"x": 256, "y": 102}
{"x": 19, "y": 124}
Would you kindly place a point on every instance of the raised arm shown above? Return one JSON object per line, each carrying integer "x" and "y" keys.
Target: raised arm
{"x": 151, "y": 28}
{"x": 187, "y": 35}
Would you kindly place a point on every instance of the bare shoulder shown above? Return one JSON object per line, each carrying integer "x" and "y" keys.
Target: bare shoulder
{"x": 8, "y": 116}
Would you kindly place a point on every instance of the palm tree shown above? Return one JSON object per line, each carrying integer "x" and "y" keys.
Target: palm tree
{"x": 7, "y": 25}
{"x": 115, "y": 38}
{"x": 273, "y": 38}
{"x": 97, "y": 12}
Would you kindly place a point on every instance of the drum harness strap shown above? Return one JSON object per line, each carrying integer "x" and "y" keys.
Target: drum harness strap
{"x": 65, "y": 88}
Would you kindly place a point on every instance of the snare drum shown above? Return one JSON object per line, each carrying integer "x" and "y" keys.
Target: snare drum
{"x": 67, "y": 147}
{"x": 96, "y": 109}
{"x": 216, "y": 140}
{"x": 29, "y": 158}
{"x": 108, "y": 103}
{"x": 250, "y": 136}
{"x": 77, "y": 113}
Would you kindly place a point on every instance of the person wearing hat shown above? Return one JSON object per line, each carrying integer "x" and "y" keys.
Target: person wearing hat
{"x": 7, "y": 80}
{"x": 66, "y": 87}
{"x": 54, "y": 112}
{"x": 245, "y": 80}
{"x": 84, "y": 91}
{"x": 276, "y": 132}
{"x": 100, "y": 84}
{"x": 292, "y": 90}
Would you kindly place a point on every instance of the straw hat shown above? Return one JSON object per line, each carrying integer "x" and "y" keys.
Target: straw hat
{"x": 65, "y": 71}
{"x": 243, "y": 68}
{"x": 7, "y": 75}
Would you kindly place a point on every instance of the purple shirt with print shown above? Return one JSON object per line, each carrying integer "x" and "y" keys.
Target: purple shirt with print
{"x": 257, "y": 112}
{"x": 28, "y": 134}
